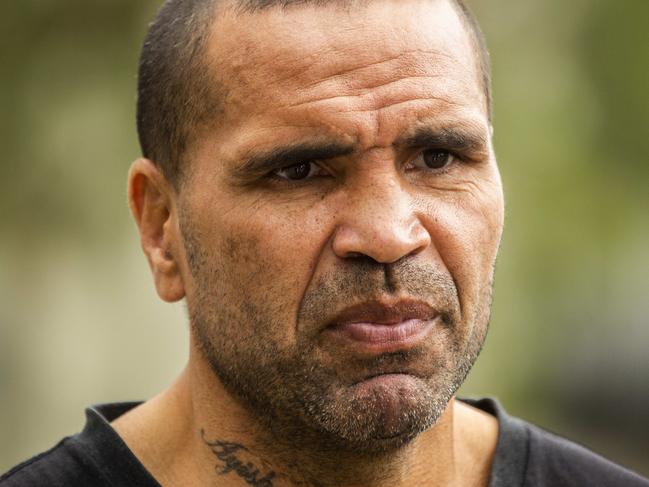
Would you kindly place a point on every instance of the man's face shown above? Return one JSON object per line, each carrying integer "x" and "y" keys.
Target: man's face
{"x": 342, "y": 219}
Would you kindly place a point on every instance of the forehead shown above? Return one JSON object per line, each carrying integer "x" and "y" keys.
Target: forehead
{"x": 366, "y": 71}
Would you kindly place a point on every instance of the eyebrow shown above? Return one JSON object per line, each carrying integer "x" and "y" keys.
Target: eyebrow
{"x": 264, "y": 162}
{"x": 260, "y": 163}
{"x": 450, "y": 138}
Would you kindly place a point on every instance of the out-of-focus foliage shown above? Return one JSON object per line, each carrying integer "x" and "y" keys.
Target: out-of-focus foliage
{"x": 80, "y": 322}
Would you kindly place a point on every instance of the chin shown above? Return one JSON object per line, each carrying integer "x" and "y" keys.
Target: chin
{"x": 381, "y": 414}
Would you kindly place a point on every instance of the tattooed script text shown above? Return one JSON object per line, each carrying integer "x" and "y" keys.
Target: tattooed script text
{"x": 229, "y": 454}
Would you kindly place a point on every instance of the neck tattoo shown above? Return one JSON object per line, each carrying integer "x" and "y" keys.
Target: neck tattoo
{"x": 232, "y": 460}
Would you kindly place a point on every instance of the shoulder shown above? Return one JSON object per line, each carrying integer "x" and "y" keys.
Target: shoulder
{"x": 529, "y": 456}
{"x": 59, "y": 466}
{"x": 96, "y": 456}
{"x": 554, "y": 460}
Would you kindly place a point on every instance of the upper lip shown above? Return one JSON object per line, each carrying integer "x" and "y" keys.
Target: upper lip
{"x": 385, "y": 313}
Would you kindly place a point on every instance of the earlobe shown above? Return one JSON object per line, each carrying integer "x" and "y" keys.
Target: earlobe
{"x": 151, "y": 200}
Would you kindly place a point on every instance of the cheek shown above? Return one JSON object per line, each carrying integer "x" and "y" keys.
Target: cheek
{"x": 466, "y": 230}
{"x": 281, "y": 244}
{"x": 267, "y": 259}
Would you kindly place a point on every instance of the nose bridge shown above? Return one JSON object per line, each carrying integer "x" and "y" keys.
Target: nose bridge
{"x": 379, "y": 220}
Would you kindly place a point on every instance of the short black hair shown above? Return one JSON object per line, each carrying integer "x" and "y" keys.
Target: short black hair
{"x": 176, "y": 94}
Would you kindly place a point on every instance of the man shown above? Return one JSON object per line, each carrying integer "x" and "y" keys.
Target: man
{"x": 318, "y": 181}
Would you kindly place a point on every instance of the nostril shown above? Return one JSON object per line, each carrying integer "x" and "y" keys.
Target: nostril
{"x": 362, "y": 258}
{"x": 355, "y": 255}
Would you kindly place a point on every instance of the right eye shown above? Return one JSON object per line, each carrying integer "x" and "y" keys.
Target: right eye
{"x": 299, "y": 172}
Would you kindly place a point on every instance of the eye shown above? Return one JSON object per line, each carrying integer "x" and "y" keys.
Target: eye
{"x": 299, "y": 172}
{"x": 434, "y": 159}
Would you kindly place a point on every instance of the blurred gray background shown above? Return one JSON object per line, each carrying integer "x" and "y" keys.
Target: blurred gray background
{"x": 80, "y": 322}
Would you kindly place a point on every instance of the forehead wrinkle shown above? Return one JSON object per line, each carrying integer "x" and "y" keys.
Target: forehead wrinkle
{"x": 282, "y": 71}
{"x": 372, "y": 74}
{"x": 383, "y": 83}
{"x": 386, "y": 112}
{"x": 292, "y": 57}
{"x": 309, "y": 61}
{"x": 380, "y": 96}
{"x": 363, "y": 128}
{"x": 352, "y": 73}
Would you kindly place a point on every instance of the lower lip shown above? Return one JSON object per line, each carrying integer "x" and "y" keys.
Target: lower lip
{"x": 383, "y": 338}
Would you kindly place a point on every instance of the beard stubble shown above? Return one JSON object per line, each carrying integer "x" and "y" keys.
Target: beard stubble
{"x": 301, "y": 393}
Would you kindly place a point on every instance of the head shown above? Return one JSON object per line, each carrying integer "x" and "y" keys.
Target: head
{"x": 311, "y": 167}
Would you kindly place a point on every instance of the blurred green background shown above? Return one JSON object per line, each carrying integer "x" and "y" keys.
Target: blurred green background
{"x": 569, "y": 346}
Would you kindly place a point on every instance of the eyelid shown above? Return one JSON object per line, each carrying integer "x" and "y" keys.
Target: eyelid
{"x": 275, "y": 176}
{"x": 420, "y": 156}
{"x": 461, "y": 155}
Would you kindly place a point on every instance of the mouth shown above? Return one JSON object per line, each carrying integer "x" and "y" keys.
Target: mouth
{"x": 378, "y": 327}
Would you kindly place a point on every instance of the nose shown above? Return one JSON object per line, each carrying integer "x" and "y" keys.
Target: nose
{"x": 381, "y": 223}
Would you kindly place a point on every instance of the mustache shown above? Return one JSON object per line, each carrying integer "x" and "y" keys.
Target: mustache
{"x": 359, "y": 280}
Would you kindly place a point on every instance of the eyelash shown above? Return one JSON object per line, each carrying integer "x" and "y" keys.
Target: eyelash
{"x": 286, "y": 168}
{"x": 455, "y": 158}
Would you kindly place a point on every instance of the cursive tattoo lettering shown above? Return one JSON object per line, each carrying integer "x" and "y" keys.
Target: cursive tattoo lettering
{"x": 229, "y": 454}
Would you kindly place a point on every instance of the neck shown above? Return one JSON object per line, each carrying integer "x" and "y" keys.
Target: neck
{"x": 204, "y": 433}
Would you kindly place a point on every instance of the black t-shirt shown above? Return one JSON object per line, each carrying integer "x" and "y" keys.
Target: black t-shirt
{"x": 526, "y": 456}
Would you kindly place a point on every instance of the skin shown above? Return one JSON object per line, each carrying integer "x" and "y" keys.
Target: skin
{"x": 252, "y": 252}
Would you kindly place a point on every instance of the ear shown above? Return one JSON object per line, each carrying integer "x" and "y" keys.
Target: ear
{"x": 152, "y": 202}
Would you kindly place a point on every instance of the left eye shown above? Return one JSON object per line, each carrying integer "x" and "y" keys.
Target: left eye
{"x": 298, "y": 172}
{"x": 434, "y": 159}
